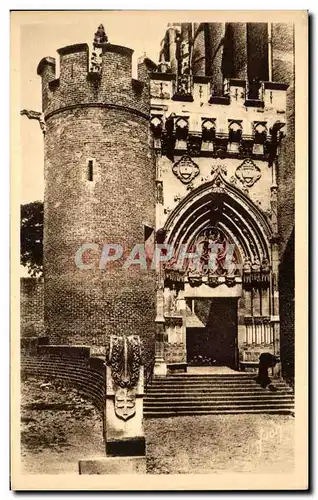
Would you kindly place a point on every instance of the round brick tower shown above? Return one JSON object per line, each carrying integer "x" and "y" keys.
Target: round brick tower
{"x": 99, "y": 188}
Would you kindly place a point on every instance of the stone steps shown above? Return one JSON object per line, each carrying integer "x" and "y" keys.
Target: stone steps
{"x": 215, "y": 394}
{"x": 209, "y": 386}
{"x": 166, "y": 414}
{"x": 224, "y": 376}
{"x": 208, "y": 390}
{"x": 212, "y": 398}
{"x": 218, "y": 404}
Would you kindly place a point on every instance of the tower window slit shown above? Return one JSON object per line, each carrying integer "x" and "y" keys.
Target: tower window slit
{"x": 90, "y": 170}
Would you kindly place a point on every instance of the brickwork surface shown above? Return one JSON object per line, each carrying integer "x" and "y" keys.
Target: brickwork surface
{"x": 71, "y": 365}
{"x": 283, "y": 71}
{"x": 31, "y": 306}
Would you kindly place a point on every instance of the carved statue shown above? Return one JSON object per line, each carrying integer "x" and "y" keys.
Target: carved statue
{"x": 183, "y": 84}
{"x": 247, "y": 266}
{"x": 256, "y": 265}
{"x": 173, "y": 299}
{"x": 265, "y": 267}
{"x": 100, "y": 35}
{"x": 125, "y": 361}
{"x": 231, "y": 268}
{"x": 265, "y": 272}
{"x": 159, "y": 192}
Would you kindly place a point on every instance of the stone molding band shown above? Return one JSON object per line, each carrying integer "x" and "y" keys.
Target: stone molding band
{"x": 97, "y": 105}
{"x": 106, "y": 47}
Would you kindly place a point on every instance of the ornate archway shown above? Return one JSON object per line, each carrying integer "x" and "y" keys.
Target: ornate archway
{"x": 221, "y": 204}
{"x": 219, "y": 211}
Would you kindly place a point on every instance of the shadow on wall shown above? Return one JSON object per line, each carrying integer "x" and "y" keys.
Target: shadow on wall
{"x": 287, "y": 310}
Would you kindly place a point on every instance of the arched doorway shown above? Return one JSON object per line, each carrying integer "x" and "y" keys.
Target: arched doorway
{"x": 219, "y": 313}
{"x": 214, "y": 342}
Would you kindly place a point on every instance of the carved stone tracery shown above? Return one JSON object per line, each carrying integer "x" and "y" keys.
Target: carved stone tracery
{"x": 183, "y": 85}
{"x": 250, "y": 244}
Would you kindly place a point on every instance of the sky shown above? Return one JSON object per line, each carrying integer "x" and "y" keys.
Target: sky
{"x": 41, "y": 36}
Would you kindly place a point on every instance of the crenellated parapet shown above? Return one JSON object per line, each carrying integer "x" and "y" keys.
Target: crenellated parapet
{"x": 79, "y": 85}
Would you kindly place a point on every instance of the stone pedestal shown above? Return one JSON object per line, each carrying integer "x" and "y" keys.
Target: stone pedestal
{"x": 160, "y": 368}
{"x": 124, "y": 436}
{"x": 124, "y": 414}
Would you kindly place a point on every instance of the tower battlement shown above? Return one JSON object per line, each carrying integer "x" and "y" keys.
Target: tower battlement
{"x": 111, "y": 85}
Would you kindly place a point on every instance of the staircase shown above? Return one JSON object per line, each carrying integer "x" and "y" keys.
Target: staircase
{"x": 186, "y": 394}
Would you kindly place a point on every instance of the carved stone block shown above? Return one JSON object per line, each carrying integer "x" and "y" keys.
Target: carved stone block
{"x": 248, "y": 172}
{"x": 185, "y": 169}
{"x": 124, "y": 398}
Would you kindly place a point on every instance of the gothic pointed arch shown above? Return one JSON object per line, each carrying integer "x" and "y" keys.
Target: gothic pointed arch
{"x": 222, "y": 205}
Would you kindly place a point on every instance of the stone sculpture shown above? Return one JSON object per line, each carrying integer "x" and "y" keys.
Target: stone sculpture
{"x": 124, "y": 436}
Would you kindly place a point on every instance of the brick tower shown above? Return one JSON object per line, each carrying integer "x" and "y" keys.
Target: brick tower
{"x": 99, "y": 188}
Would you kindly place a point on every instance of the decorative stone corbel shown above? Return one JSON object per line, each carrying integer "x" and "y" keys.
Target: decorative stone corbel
{"x": 260, "y": 135}
{"x": 35, "y": 115}
{"x": 235, "y": 136}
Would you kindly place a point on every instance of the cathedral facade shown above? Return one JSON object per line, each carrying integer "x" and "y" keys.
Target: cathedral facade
{"x": 195, "y": 158}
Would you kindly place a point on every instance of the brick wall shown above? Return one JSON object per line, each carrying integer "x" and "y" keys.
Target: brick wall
{"x": 283, "y": 71}
{"x": 71, "y": 365}
{"x": 31, "y": 306}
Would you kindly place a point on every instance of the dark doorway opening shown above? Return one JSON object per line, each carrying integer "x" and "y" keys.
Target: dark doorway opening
{"x": 214, "y": 344}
